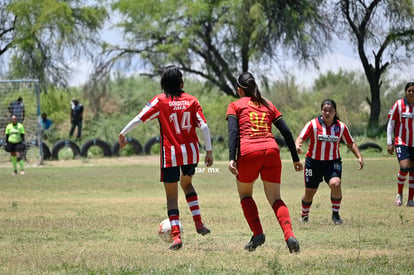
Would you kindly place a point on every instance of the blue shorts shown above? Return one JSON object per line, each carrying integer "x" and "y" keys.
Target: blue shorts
{"x": 404, "y": 152}
{"x": 315, "y": 170}
{"x": 172, "y": 174}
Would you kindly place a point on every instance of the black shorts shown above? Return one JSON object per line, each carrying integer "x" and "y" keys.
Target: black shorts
{"x": 404, "y": 152}
{"x": 15, "y": 147}
{"x": 315, "y": 170}
{"x": 172, "y": 174}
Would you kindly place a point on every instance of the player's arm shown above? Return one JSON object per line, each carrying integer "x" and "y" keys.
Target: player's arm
{"x": 354, "y": 148}
{"x": 234, "y": 141}
{"x": 390, "y": 136}
{"x": 128, "y": 128}
{"x": 287, "y": 135}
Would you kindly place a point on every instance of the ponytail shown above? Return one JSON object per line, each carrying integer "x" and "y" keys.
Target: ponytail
{"x": 247, "y": 82}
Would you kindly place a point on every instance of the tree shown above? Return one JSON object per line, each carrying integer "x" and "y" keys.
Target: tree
{"x": 383, "y": 34}
{"x": 216, "y": 39}
{"x": 43, "y": 37}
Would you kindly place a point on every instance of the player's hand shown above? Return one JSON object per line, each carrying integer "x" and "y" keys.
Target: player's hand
{"x": 208, "y": 160}
{"x": 122, "y": 141}
{"x": 390, "y": 149}
{"x": 233, "y": 167}
{"x": 361, "y": 163}
{"x": 298, "y": 166}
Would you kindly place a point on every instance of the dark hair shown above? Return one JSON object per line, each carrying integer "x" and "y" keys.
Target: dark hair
{"x": 247, "y": 82}
{"x": 332, "y": 103}
{"x": 408, "y": 85}
{"x": 171, "y": 81}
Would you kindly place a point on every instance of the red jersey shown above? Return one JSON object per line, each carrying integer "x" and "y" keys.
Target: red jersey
{"x": 178, "y": 118}
{"x": 255, "y": 124}
{"x": 402, "y": 113}
{"x": 324, "y": 140}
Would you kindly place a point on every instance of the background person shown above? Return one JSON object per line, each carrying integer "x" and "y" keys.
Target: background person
{"x": 15, "y": 143}
{"x": 252, "y": 151}
{"x": 178, "y": 114}
{"x": 16, "y": 108}
{"x": 76, "y": 118}
{"x": 45, "y": 124}
{"x": 400, "y": 138}
{"x": 323, "y": 160}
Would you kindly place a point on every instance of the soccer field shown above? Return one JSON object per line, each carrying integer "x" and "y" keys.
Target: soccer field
{"x": 101, "y": 217}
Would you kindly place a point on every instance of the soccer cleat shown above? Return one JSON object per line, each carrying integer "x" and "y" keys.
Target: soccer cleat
{"x": 22, "y": 173}
{"x": 202, "y": 229}
{"x": 398, "y": 199}
{"x": 255, "y": 241}
{"x": 336, "y": 218}
{"x": 304, "y": 219}
{"x": 293, "y": 245}
{"x": 410, "y": 203}
{"x": 14, "y": 173}
{"x": 177, "y": 243}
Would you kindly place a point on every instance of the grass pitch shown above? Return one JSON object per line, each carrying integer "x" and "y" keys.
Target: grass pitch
{"x": 101, "y": 217}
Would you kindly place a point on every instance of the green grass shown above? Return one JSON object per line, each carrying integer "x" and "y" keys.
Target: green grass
{"x": 102, "y": 218}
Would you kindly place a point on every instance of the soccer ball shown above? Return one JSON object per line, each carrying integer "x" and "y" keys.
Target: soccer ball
{"x": 164, "y": 231}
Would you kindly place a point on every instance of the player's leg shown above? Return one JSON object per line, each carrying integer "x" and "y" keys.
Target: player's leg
{"x": 313, "y": 176}
{"x": 14, "y": 162}
{"x": 248, "y": 167}
{"x": 271, "y": 174}
{"x": 410, "y": 202}
{"x": 192, "y": 198}
{"x": 403, "y": 157}
{"x": 336, "y": 199}
{"x": 170, "y": 178}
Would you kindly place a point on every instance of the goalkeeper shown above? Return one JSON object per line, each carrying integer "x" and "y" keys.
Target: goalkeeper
{"x": 15, "y": 143}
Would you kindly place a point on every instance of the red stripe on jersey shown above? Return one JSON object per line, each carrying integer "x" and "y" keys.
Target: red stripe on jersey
{"x": 178, "y": 117}
{"x": 402, "y": 113}
{"x": 325, "y": 141}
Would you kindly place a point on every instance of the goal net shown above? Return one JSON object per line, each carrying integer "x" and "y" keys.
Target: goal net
{"x": 29, "y": 91}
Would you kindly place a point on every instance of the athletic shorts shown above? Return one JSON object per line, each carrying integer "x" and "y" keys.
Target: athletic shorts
{"x": 315, "y": 170}
{"x": 15, "y": 147}
{"x": 404, "y": 152}
{"x": 172, "y": 174}
{"x": 267, "y": 163}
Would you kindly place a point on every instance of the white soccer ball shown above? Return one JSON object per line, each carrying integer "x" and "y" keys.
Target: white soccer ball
{"x": 164, "y": 231}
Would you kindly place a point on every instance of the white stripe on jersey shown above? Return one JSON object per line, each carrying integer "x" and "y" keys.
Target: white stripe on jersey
{"x": 194, "y": 152}
{"x": 315, "y": 134}
{"x": 184, "y": 153}
{"x": 164, "y": 158}
{"x": 200, "y": 120}
{"x": 173, "y": 158}
{"x": 147, "y": 107}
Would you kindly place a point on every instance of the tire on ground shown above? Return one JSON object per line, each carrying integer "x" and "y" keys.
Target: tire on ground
{"x": 370, "y": 145}
{"x": 149, "y": 143}
{"x": 106, "y": 149}
{"x": 59, "y": 145}
{"x": 136, "y": 146}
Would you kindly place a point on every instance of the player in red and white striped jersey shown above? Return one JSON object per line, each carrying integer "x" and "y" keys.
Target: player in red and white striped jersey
{"x": 400, "y": 137}
{"x": 179, "y": 114}
{"x": 323, "y": 160}
{"x": 253, "y": 151}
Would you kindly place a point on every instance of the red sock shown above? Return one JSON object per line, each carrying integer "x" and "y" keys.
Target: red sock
{"x": 192, "y": 202}
{"x": 411, "y": 186}
{"x": 175, "y": 224}
{"x": 252, "y": 215}
{"x": 283, "y": 217}
{"x": 400, "y": 180}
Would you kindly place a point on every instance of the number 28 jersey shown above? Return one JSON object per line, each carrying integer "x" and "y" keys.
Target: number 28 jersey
{"x": 178, "y": 118}
{"x": 255, "y": 124}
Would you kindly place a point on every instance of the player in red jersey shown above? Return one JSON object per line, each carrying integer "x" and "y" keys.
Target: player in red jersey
{"x": 400, "y": 137}
{"x": 179, "y": 114}
{"x": 323, "y": 160}
{"x": 252, "y": 151}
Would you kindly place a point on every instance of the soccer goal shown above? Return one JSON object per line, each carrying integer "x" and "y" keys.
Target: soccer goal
{"x": 29, "y": 92}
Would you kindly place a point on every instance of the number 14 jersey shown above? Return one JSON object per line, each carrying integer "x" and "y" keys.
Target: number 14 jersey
{"x": 178, "y": 118}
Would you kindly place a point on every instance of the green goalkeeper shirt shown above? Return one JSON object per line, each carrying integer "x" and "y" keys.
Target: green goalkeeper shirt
{"x": 14, "y": 132}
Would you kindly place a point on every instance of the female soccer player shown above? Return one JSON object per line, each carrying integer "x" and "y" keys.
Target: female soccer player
{"x": 323, "y": 159}
{"x": 178, "y": 114}
{"x": 253, "y": 151}
{"x": 15, "y": 143}
{"x": 400, "y": 133}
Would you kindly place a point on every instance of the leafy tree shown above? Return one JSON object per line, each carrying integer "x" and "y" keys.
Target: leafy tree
{"x": 216, "y": 39}
{"x": 43, "y": 37}
{"x": 383, "y": 34}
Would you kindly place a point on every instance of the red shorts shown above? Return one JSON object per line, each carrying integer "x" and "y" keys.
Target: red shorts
{"x": 266, "y": 162}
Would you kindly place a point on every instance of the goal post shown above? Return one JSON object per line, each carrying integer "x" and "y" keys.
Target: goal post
{"x": 29, "y": 91}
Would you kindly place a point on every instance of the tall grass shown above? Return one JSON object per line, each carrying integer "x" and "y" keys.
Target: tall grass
{"x": 101, "y": 217}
